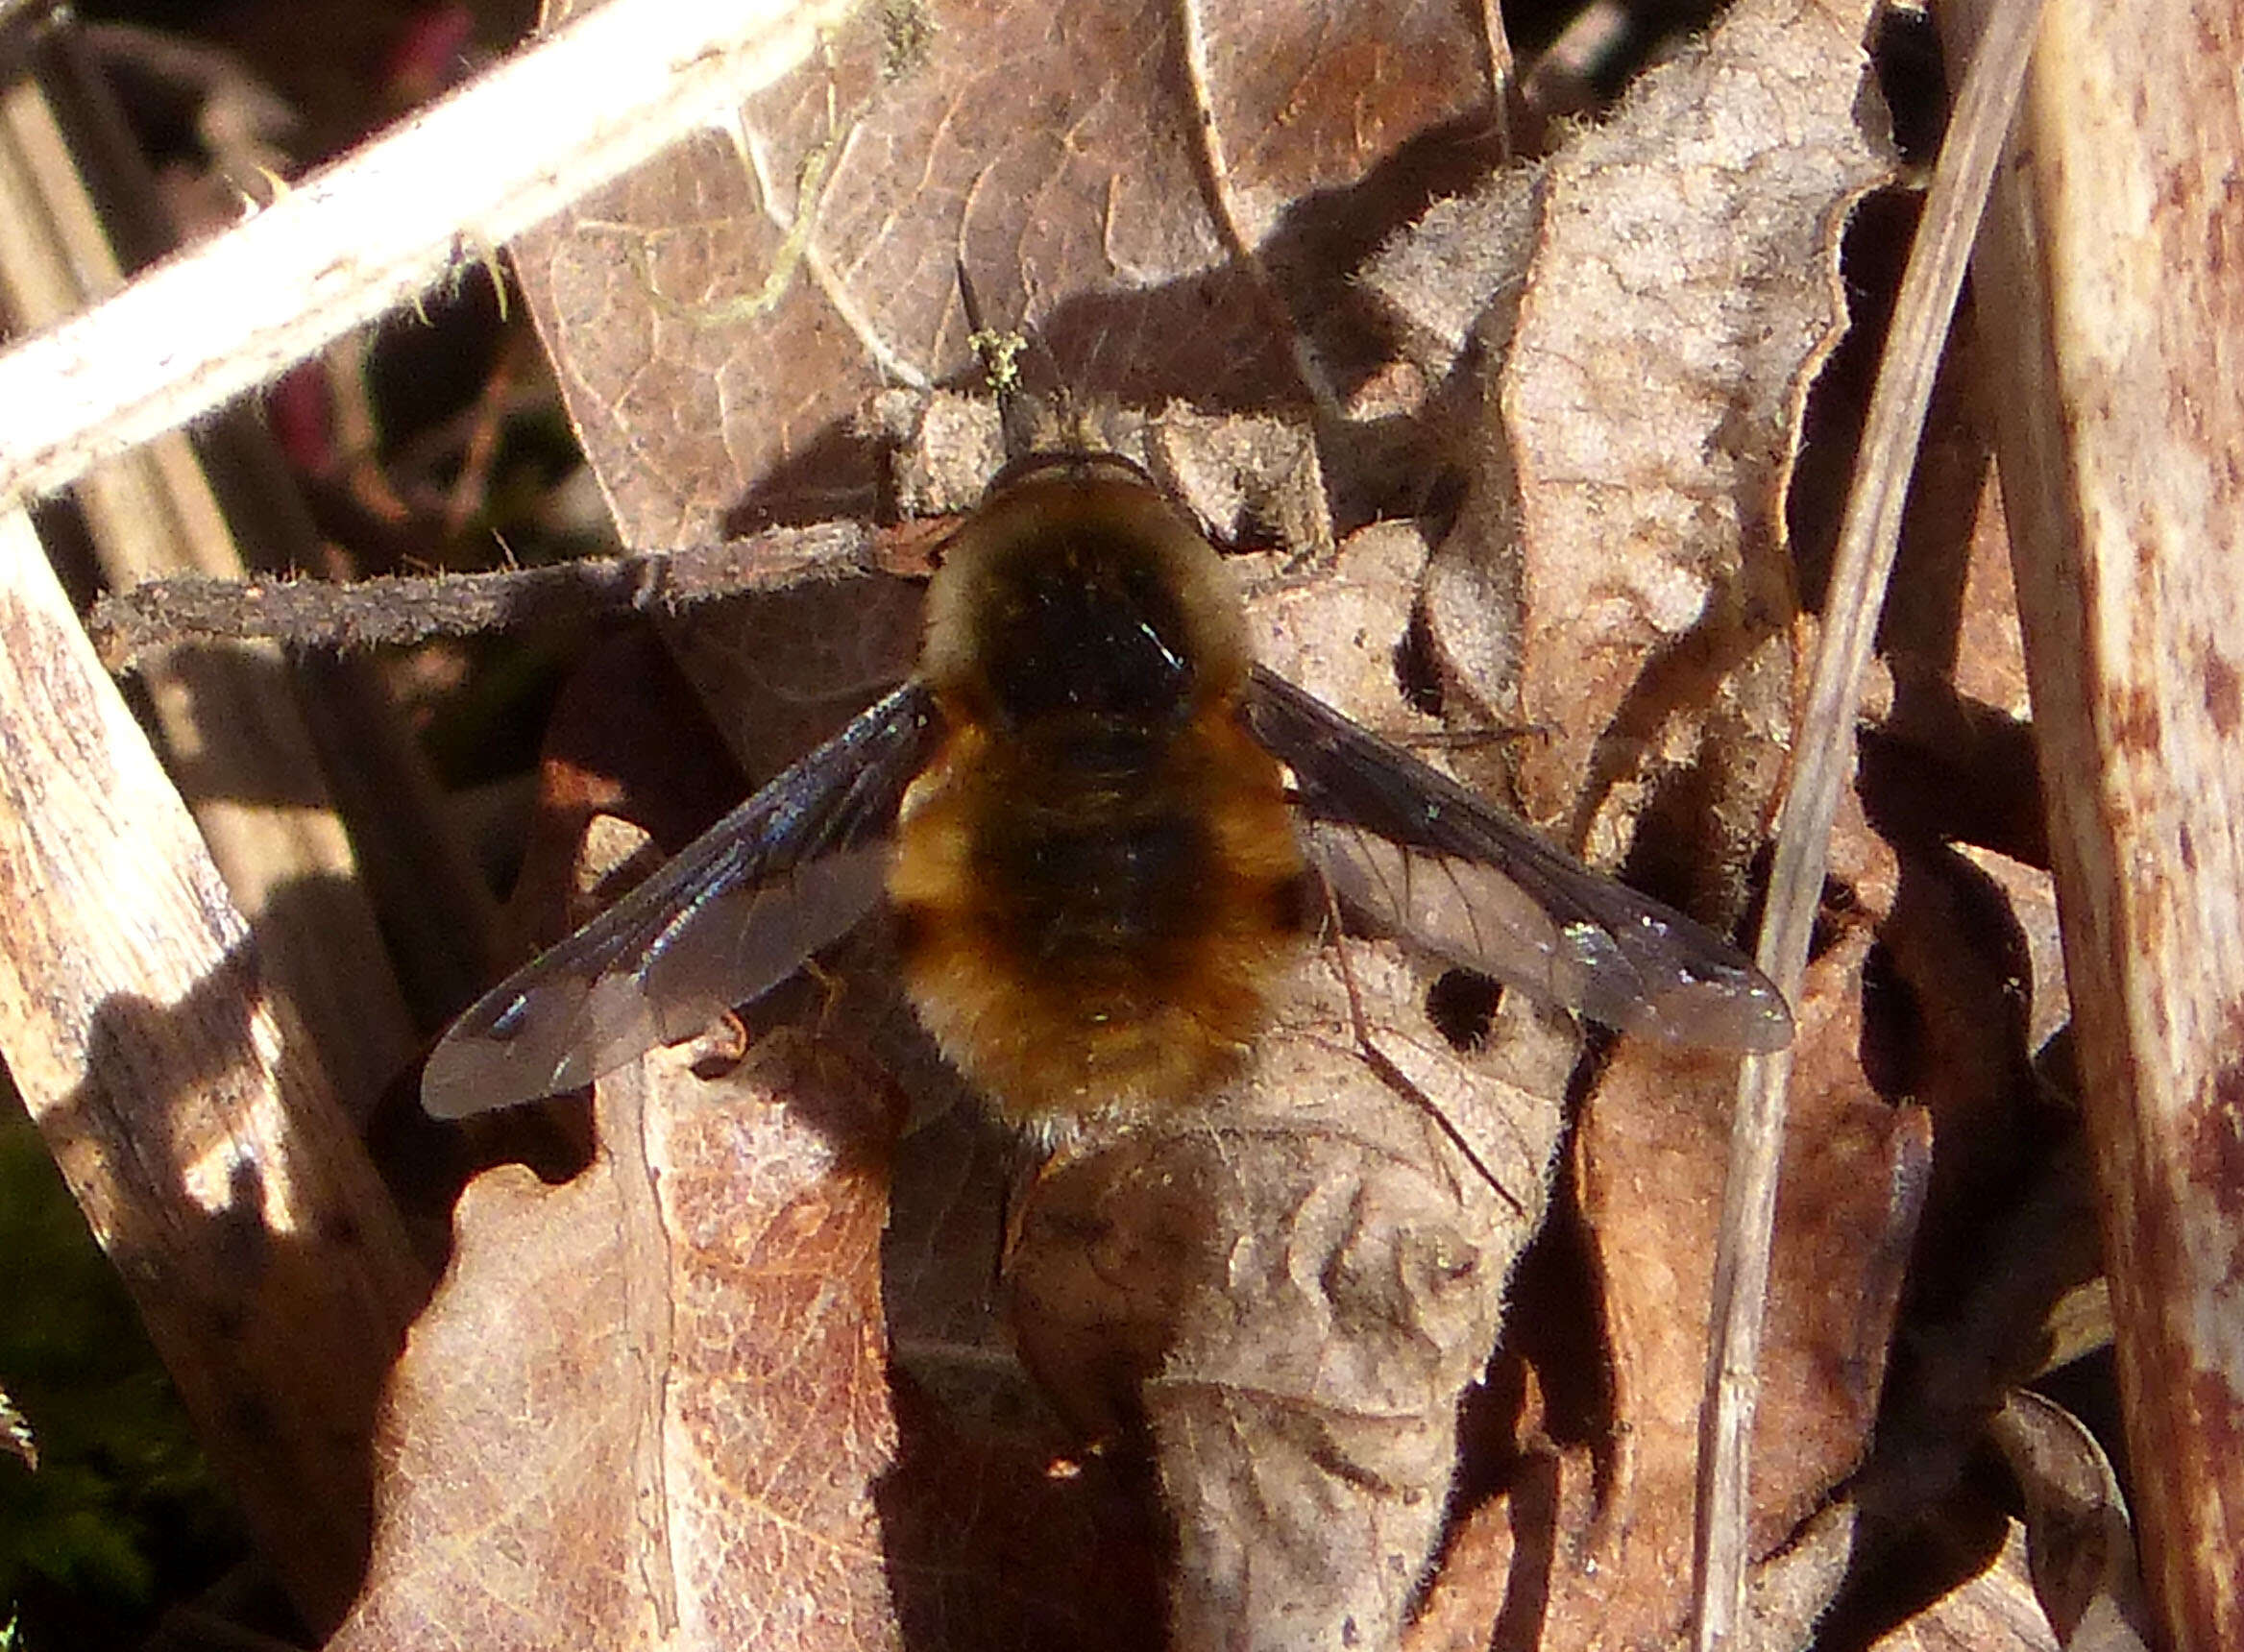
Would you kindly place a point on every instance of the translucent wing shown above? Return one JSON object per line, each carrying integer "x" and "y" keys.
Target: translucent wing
{"x": 733, "y": 915}
{"x": 1415, "y": 852}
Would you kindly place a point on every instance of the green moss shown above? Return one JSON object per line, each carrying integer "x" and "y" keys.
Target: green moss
{"x": 122, "y": 1511}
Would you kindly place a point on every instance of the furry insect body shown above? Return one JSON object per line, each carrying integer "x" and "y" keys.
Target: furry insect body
{"x": 1097, "y": 882}
{"x": 1092, "y": 817}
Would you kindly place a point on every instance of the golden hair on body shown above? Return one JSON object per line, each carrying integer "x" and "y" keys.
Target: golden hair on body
{"x": 1096, "y": 882}
{"x": 1098, "y": 824}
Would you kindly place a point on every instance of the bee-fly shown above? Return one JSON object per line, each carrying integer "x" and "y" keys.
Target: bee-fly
{"x": 1097, "y": 822}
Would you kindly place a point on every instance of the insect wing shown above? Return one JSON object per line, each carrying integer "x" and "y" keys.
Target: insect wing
{"x": 733, "y": 915}
{"x": 1415, "y": 852}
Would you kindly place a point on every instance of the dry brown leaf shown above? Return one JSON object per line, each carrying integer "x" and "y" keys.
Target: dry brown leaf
{"x": 1955, "y": 948}
{"x": 1295, "y": 1288}
{"x": 1619, "y": 576}
{"x": 650, "y": 1408}
{"x": 1655, "y": 302}
{"x": 1952, "y": 614}
{"x": 1298, "y": 1286}
{"x": 1518, "y": 1575}
{"x": 2031, "y": 896}
{"x": 1994, "y": 1611}
{"x": 1336, "y": 637}
{"x": 1058, "y": 153}
{"x": 1651, "y": 1151}
{"x": 2080, "y": 1540}
{"x": 1593, "y": 1546}
{"x": 785, "y": 671}
{"x": 1790, "y": 1593}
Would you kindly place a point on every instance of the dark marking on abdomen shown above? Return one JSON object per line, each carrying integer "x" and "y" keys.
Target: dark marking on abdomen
{"x": 1103, "y": 863}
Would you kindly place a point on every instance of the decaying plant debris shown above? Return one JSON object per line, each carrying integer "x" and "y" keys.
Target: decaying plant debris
{"x": 1397, "y": 1346}
{"x": 1198, "y": 1289}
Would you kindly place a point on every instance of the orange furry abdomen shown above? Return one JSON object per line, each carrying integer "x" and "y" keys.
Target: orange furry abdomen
{"x": 1092, "y": 921}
